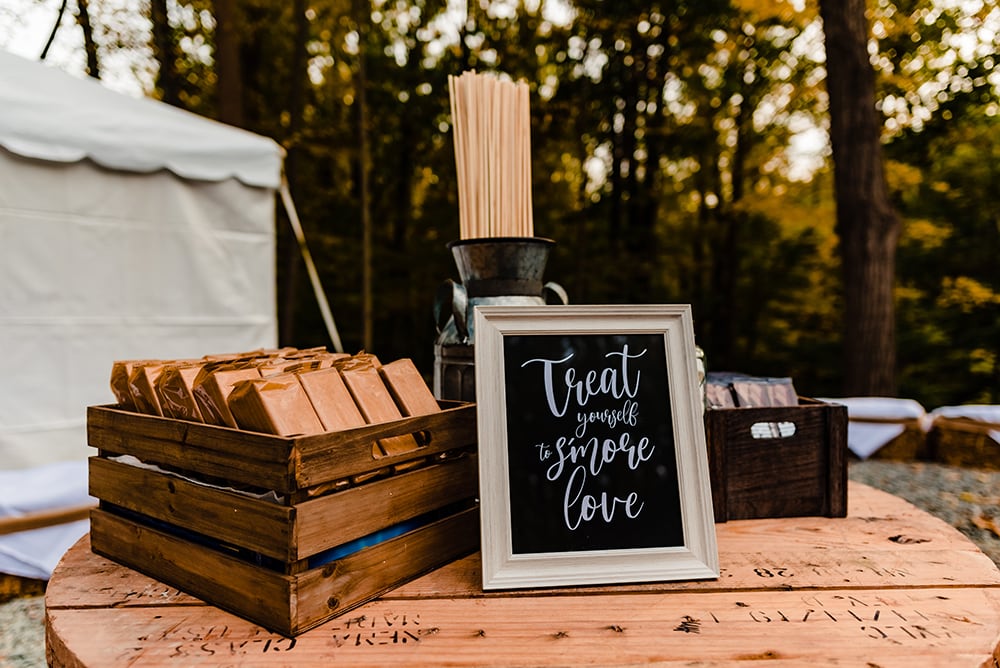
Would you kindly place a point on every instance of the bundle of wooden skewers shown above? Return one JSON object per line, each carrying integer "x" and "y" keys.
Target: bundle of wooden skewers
{"x": 492, "y": 134}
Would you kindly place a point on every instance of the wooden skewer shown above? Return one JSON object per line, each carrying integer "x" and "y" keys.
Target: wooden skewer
{"x": 492, "y": 136}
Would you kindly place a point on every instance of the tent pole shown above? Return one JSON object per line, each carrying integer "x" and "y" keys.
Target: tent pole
{"x": 324, "y": 306}
{"x": 45, "y": 518}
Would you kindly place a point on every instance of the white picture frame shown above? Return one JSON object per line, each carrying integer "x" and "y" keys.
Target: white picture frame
{"x": 521, "y": 545}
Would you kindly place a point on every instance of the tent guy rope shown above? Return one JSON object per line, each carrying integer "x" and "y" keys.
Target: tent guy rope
{"x": 324, "y": 306}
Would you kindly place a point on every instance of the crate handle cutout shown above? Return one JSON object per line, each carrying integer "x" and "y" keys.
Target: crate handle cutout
{"x": 421, "y": 439}
{"x": 760, "y": 430}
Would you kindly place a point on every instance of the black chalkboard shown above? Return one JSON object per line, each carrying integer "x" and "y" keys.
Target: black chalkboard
{"x": 590, "y": 447}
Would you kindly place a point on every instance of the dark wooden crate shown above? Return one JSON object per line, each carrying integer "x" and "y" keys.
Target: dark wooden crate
{"x": 794, "y": 475}
{"x": 258, "y": 524}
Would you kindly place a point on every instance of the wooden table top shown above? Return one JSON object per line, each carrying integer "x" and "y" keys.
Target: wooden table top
{"x": 889, "y": 585}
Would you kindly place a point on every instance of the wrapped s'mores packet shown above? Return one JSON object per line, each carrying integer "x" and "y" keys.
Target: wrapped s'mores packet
{"x": 273, "y": 405}
{"x": 175, "y": 390}
{"x": 212, "y": 386}
{"x": 142, "y": 387}
{"x": 408, "y": 388}
{"x": 121, "y": 371}
{"x": 375, "y": 403}
{"x": 331, "y": 399}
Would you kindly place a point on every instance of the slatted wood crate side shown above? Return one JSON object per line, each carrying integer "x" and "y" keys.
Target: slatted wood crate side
{"x": 265, "y": 597}
{"x": 718, "y": 464}
{"x": 332, "y": 455}
{"x": 287, "y": 604}
{"x": 778, "y": 477}
{"x": 797, "y": 475}
{"x": 338, "y": 587}
{"x": 229, "y": 517}
{"x": 282, "y": 464}
{"x": 215, "y": 543}
{"x": 836, "y": 449}
{"x": 285, "y": 533}
{"x": 335, "y": 519}
{"x": 263, "y": 461}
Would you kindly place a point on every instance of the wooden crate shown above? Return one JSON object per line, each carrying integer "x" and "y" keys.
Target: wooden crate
{"x": 961, "y": 441}
{"x": 784, "y": 461}
{"x": 910, "y": 445}
{"x": 285, "y": 531}
{"x": 14, "y": 586}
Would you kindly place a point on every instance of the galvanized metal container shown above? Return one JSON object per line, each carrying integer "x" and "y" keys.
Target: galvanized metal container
{"x": 497, "y": 270}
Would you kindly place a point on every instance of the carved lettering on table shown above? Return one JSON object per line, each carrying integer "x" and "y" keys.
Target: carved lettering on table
{"x": 786, "y": 571}
{"x": 871, "y": 616}
{"x": 378, "y": 630}
{"x": 236, "y": 647}
{"x": 222, "y": 641}
{"x": 874, "y": 618}
{"x": 217, "y": 640}
{"x": 158, "y": 593}
{"x": 195, "y": 633}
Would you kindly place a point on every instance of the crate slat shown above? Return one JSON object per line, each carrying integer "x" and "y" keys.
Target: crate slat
{"x": 307, "y": 599}
{"x": 325, "y": 522}
{"x": 225, "y": 581}
{"x": 367, "y": 574}
{"x": 228, "y": 516}
{"x": 264, "y": 461}
{"x": 325, "y": 457}
{"x": 280, "y": 531}
{"x": 284, "y": 464}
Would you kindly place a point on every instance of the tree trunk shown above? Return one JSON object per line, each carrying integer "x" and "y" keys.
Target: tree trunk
{"x": 404, "y": 188}
{"x": 165, "y": 52}
{"x": 361, "y": 10}
{"x": 89, "y": 45}
{"x": 228, "y": 68}
{"x": 288, "y": 249}
{"x": 867, "y": 224}
{"x": 731, "y": 217}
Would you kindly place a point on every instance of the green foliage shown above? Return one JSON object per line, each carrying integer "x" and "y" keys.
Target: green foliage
{"x": 948, "y": 263}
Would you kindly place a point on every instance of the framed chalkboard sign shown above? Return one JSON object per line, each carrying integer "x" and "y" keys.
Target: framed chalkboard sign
{"x": 592, "y": 458}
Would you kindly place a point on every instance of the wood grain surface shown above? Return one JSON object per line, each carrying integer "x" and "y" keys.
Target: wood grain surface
{"x": 889, "y": 585}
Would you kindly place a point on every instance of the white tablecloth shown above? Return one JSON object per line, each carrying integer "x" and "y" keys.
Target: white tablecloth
{"x": 63, "y": 485}
{"x": 866, "y": 438}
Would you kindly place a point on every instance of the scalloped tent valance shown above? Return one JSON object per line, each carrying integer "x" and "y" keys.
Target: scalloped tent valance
{"x": 48, "y": 114}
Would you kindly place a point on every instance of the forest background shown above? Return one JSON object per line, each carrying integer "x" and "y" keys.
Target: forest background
{"x": 666, "y": 159}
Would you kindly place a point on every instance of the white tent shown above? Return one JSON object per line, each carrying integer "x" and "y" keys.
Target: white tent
{"x": 128, "y": 229}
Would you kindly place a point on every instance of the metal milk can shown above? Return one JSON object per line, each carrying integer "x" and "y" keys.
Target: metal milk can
{"x": 497, "y": 270}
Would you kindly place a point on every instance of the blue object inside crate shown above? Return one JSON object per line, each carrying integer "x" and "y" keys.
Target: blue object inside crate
{"x": 325, "y": 557}
{"x": 382, "y": 535}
